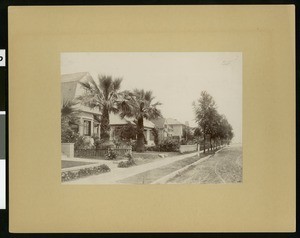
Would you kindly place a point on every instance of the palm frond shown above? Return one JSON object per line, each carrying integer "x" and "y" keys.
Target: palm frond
{"x": 105, "y": 83}
{"x": 96, "y": 88}
{"x": 117, "y": 83}
{"x": 148, "y": 96}
{"x": 86, "y": 85}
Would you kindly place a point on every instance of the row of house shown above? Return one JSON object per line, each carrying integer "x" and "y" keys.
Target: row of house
{"x": 89, "y": 118}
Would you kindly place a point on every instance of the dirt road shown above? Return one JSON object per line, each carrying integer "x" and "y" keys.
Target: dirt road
{"x": 224, "y": 167}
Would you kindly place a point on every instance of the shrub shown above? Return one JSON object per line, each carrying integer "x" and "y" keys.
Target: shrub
{"x": 71, "y": 175}
{"x": 187, "y": 142}
{"x": 126, "y": 132}
{"x": 152, "y": 148}
{"x": 102, "y": 168}
{"x": 110, "y": 154}
{"x": 169, "y": 145}
{"x": 191, "y": 142}
{"x": 133, "y": 145}
{"x": 69, "y": 136}
{"x": 122, "y": 142}
{"x": 183, "y": 142}
{"x": 125, "y": 164}
{"x": 97, "y": 141}
{"x": 84, "y": 142}
{"x": 122, "y": 164}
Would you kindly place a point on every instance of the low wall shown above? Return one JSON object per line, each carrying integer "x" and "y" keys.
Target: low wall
{"x": 187, "y": 148}
{"x": 67, "y": 149}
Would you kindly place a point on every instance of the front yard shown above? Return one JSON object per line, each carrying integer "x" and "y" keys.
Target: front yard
{"x": 83, "y": 167}
{"x": 71, "y": 163}
{"x": 151, "y": 156}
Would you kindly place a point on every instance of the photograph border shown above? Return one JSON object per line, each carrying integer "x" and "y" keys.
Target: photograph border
{"x": 278, "y": 234}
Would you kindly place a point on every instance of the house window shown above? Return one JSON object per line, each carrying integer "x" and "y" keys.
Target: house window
{"x": 96, "y": 129}
{"x": 151, "y": 136}
{"x": 87, "y": 128}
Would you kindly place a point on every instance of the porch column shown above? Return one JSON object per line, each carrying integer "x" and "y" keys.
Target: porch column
{"x": 111, "y": 133}
{"x": 92, "y": 127}
{"x": 81, "y": 126}
{"x": 148, "y": 135}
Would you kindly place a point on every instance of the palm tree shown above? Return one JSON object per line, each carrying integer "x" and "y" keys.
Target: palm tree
{"x": 139, "y": 105}
{"x": 68, "y": 111}
{"x": 69, "y": 117}
{"x": 104, "y": 96}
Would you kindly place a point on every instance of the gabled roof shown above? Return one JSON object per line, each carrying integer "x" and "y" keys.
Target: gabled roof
{"x": 160, "y": 122}
{"x": 75, "y": 77}
{"x": 69, "y": 84}
{"x": 171, "y": 121}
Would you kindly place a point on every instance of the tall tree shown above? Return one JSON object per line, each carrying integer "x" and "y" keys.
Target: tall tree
{"x": 103, "y": 95}
{"x": 205, "y": 111}
{"x": 227, "y": 133}
{"x": 215, "y": 129}
{"x": 139, "y": 105}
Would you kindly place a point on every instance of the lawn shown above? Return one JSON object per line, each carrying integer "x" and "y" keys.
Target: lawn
{"x": 69, "y": 164}
{"x": 151, "y": 156}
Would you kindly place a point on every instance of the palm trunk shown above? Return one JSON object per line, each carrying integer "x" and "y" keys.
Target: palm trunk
{"x": 140, "y": 143}
{"x": 105, "y": 128}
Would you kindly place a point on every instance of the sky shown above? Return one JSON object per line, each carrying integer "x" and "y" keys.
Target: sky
{"x": 176, "y": 79}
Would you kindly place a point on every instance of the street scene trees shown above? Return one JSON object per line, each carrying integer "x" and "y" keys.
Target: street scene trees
{"x": 135, "y": 107}
{"x": 211, "y": 125}
{"x": 130, "y": 118}
{"x": 105, "y": 95}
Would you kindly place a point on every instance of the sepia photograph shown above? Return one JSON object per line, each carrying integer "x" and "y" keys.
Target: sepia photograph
{"x": 183, "y": 113}
{"x": 151, "y": 118}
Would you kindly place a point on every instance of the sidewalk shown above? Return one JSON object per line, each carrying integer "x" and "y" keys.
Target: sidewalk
{"x": 122, "y": 173}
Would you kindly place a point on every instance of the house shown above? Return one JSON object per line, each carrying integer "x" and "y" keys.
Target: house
{"x": 90, "y": 118}
{"x": 169, "y": 128}
{"x": 116, "y": 121}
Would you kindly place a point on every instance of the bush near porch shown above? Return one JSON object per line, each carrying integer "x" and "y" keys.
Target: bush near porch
{"x": 167, "y": 145}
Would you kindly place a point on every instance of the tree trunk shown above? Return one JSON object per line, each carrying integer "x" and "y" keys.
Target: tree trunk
{"x": 210, "y": 143}
{"x": 204, "y": 144}
{"x": 140, "y": 143}
{"x": 105, "y": 127}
